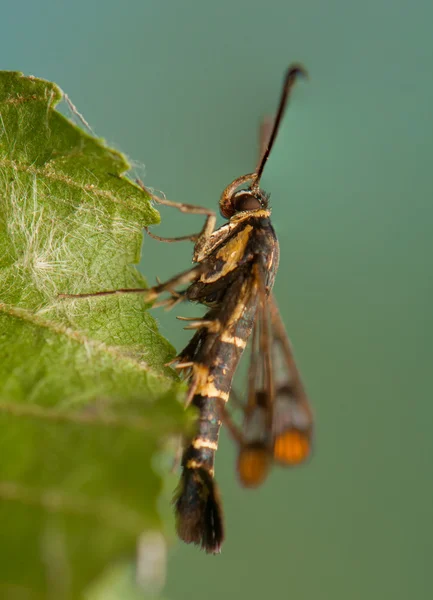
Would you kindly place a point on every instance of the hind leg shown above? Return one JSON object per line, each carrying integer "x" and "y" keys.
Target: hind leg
{"x": 149, "y": 293}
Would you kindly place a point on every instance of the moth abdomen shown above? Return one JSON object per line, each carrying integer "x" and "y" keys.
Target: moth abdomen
{"x": 198, "y": 512}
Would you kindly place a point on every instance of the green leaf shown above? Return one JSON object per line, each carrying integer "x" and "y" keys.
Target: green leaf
{"x": 85, "y": 399}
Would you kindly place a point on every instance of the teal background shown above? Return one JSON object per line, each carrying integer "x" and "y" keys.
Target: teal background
{"x": 181, "y": 88}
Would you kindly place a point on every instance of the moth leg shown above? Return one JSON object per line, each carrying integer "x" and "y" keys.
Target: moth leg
{"x": 148, "y": 293}
{"x": 169, "y": 303}
{"x": 181, "y": 238}
{"x": 208, "y": 227}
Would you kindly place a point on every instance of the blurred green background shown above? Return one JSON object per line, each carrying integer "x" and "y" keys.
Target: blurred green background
{"x": 181, "y": 88}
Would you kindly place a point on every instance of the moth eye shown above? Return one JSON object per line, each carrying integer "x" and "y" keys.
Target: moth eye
{"x": 246, "y": 202}
{"x": 253, "y": 466}
{"x": 291, "y": 447}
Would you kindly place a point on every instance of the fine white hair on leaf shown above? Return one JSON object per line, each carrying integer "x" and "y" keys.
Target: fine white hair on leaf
{"x": 39, "y": 241}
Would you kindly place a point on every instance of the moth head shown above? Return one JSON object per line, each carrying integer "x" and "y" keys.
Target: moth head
{"x": 234, "y": 201}
{"x": 247, "y": 200}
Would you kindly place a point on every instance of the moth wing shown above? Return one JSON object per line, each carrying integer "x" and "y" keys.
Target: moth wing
{"x": 292, "y": 417}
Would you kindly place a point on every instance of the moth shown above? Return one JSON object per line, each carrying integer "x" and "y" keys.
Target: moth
{"x": 233, "y": 273}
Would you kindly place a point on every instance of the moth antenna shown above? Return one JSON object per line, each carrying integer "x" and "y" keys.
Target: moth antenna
{"x": 292, "y": 74}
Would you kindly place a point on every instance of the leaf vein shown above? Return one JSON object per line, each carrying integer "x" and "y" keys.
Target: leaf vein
{"x": 85, "y": 188}
{"x": 78, "y": 337}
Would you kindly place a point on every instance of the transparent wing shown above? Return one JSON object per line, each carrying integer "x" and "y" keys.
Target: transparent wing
{"x": 255, "y": 438}
{"x": 292, "y": 417}
{"x": 277, "y": 425}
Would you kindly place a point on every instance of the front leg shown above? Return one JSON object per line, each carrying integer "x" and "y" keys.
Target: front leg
{"x": 198, "y": 238}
